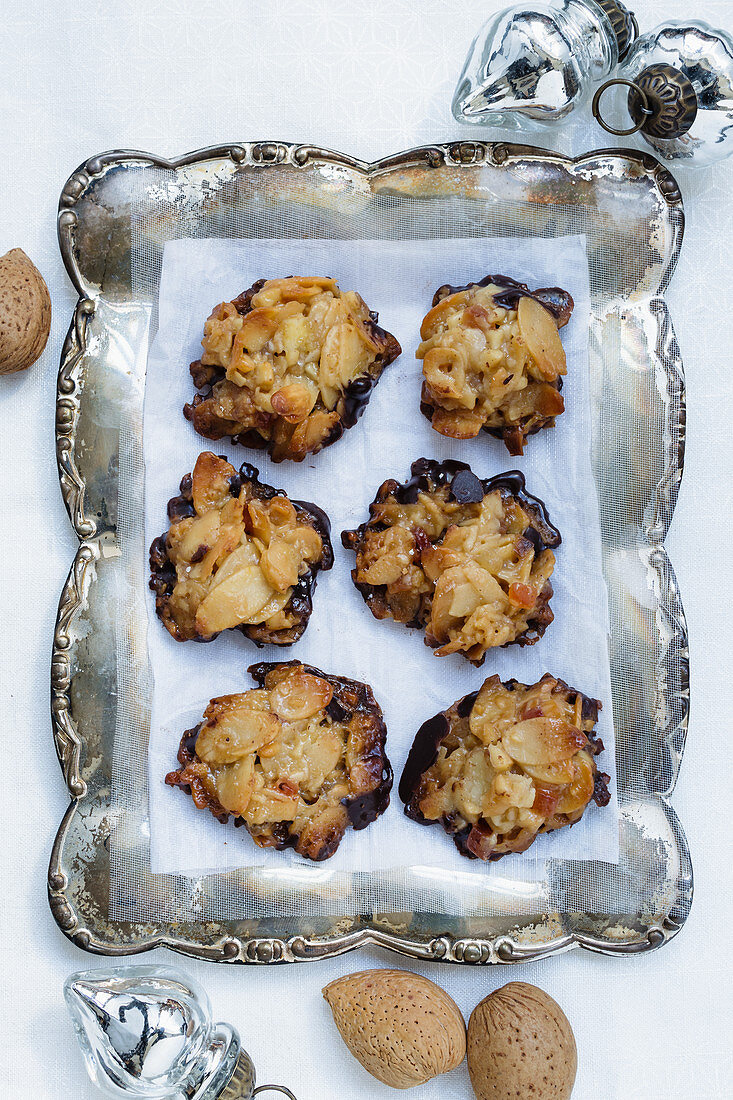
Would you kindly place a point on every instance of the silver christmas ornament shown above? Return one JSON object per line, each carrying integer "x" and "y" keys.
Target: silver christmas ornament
{"x": 146, "y": 1031}
{"x": 535, "y": 63}
{"x": 680, "y": 93}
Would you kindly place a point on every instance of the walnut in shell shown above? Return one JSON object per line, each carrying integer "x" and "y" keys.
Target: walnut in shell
{"x": 288, "y": 366}
{"x": 238, "y": 555}
{"x": 296, "y": 761}
{"x": 504, "y": 764}
{"x": 403, "y": 1028}
{"x": 520, "y": 1044}
{"x": 468, "y": 560}
{"x": 25, "y": 312}
{"x": 493, "y": 359}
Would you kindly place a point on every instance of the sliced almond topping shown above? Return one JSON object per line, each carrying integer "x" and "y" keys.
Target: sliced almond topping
{"x": 271, "y": 804}
{"x": 558, "y": 775}
{"x": 240, "y": 363}
{"x": 456, "y": 425}
{"x": 243, "y": 556}
{"x": 311, "y": 433}
{"x": 306, "y": 542}
{"x": 343, "y": 357}
{"x": 238, "y": 599}
{"x": 258, "y": 328}
{"x": 540, "y": 741}
{"x": 280, "y": 563}
{"x": 321, "y": 755}
{"x": 300, "y": 695}
{"x": 440, "y": 313}
{"x": 445, "y": 373}
{"x": 200, "y": 537}
{"x": 299, "y": 288}
{"x": 210, "y": 481}
{"x": 281, "y": 511}
{"x": 579, "y": 793}
{"x": 539, "y": 332}
{"x": 436, "y": 559}
{"x": 258, "y": 520}
{"x": 234, "y": 785}
{"x": 293, "y": 402}
{"x": 232, "y": 731}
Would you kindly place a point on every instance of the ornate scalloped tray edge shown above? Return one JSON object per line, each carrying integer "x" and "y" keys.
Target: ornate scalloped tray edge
{"x": 79, "y": 872}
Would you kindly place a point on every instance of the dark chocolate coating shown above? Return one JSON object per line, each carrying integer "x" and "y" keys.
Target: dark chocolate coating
{"x": 559, "y": 303}
{"x": 466, "y": 488}
{"x": 428, "y": 474}
{"x": 423, "y": 752}
{"x": 366, "y": 808}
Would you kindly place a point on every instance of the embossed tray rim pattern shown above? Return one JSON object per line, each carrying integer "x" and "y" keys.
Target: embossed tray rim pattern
{"x": 94, "y": 542}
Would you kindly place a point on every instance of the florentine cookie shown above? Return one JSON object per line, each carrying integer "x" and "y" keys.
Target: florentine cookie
{"x": 296, "y": 761}
{"x": 468, "y": 560}
{"x": 493, "y": 359}
{"x": 237, "y": 555}
{"x": 288, "y": 366}
{"x": 504, "y": 764}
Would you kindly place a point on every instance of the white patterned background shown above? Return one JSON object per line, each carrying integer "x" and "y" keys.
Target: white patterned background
{"x": 368, "y": 78}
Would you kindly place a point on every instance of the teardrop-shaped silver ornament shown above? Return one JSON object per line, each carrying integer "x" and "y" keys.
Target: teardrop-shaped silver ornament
{"x": 146, "y": 1031}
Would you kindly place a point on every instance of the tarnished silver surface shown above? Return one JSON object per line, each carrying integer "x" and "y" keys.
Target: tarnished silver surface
{"x": 147, "y": 1032}
{"x": 630, "y": 209}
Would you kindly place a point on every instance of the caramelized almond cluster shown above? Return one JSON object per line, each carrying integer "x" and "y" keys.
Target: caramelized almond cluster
{"x": 492, "y": 359}
{"x": 287, "y": 366}
{"x": 237, "y": 555}
{"x": 296, "y": 761}
{"x": 468, "y": 560}
{"x": 504, "y": 764}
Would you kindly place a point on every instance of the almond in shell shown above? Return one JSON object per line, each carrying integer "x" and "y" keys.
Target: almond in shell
{"x": 25, "y": 312}
{"x": 402, "y": 1027}
{"x": 520, "y": 1044}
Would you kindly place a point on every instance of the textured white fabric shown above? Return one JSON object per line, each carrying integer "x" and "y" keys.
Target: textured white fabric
{"x": 411, "y": 684}
{"x": 369, "y": 79}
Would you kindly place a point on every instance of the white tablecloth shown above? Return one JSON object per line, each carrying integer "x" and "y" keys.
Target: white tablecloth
{"x": 368, "y": 79}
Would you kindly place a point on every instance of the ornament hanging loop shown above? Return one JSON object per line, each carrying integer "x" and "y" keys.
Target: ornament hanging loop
{"x": 643, "y": 108}
{"x": 274, "y": 1088}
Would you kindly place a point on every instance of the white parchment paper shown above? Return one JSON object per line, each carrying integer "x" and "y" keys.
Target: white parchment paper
{"x": 397, "y": 278}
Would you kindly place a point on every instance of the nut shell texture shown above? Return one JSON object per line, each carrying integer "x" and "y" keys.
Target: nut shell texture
{"x": 520, "y": 1044}
{"x": 25, "y": 312}
{"x": 403, "y": 1028}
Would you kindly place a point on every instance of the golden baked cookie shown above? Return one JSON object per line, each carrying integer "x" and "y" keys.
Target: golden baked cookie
{"x": 504, "y": 764}
{"x": 297, "y": 760}
{"x": 493, "y": 360}
{"x": 288, "y": 366}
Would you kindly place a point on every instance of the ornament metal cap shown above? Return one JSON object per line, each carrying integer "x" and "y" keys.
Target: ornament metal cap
{"x": 680, "y": 98}
{"x": 623, "y": 23}
{"x": 146, "y": 1032}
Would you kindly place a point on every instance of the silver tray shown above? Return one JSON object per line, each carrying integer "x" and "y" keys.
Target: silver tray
{"x": 116, "y": 212}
